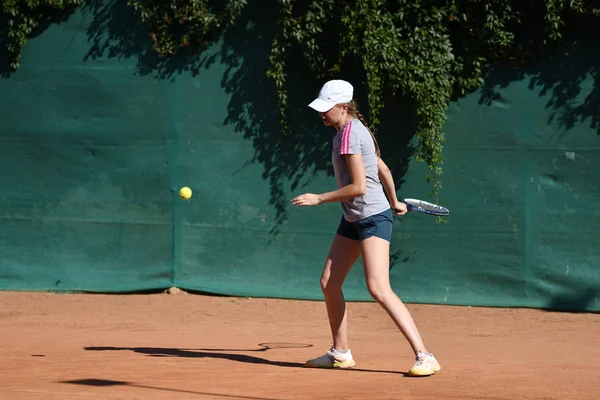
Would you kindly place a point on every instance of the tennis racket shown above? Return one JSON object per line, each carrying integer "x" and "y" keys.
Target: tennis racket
{"x": 425, "y": 207}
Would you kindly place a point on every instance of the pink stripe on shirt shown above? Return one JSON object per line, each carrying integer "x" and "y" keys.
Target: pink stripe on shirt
{"x": 345, "y": 139}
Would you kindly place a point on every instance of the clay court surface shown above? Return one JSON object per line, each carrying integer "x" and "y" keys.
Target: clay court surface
{"x": 189, "y": 346}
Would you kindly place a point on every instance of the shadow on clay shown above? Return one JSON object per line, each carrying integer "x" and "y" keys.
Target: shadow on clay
{"x": 107, "y": 382}
{"x": 229, "y": 354}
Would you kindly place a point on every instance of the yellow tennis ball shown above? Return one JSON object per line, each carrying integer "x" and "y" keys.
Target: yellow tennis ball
{"x": 185, "y": 193}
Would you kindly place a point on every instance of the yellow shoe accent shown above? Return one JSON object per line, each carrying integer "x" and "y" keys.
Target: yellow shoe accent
{"x": 332, "y": 359}
{"x": 426, "y": 365}
{"x": 421, "y": 370}
{"x": 344, "y": 364}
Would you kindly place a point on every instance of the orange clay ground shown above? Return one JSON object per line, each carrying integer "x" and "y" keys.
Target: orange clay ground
{"x": 189, "y": 346}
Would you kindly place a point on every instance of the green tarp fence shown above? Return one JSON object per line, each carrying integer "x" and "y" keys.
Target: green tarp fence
{"x": 97, "y": 134}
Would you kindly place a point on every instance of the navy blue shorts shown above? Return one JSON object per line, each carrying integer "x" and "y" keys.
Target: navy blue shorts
{"x": 379, "y": 225}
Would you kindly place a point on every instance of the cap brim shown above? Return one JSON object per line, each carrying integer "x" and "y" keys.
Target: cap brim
{"x": 321, "y": 105}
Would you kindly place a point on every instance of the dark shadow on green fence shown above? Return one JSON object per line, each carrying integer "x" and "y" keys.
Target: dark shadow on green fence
{"x": 569, "y": 75}
{"x": 290, "y": 161}
{"x": 116, "y": 32}
{"x": 45, "y": 17}
{"x": 579, "y": 299}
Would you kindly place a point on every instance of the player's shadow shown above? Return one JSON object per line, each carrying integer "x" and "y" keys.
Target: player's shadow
{"x": 223, "y": 354}
{"x": 197, "y": 353}
{"x": 94, "y": 382}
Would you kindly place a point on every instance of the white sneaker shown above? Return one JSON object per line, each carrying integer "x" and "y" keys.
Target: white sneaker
{"x": 426, "y": 365}
{"x": 332, "y": 359}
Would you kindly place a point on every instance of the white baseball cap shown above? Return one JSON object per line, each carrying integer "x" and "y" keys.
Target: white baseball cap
{"x": 333, "y": 92}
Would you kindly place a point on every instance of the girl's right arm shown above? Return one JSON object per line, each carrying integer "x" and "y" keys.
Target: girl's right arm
{"x": 358, "y": 181}
{"x": 356, "y": 187}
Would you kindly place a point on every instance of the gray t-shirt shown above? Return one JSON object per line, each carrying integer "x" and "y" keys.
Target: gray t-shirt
{"x": 354, "y": 138}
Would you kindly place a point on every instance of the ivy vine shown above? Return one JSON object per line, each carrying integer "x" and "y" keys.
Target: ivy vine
{"x": 181, "y": 24}
{"x": 19, "y": 20}
{"x": 426, "y": 50}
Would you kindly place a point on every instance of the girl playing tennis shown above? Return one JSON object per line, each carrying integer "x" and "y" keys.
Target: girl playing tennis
{"x": 365, "y": 227}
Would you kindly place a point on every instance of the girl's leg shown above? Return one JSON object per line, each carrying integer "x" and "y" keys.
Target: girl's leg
{"x": 343, "y": 253}
{"x": 376, "y": 251}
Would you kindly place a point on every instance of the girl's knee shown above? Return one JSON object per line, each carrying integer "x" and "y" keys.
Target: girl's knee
{"x": 379, "y": 292}
{"x": 328, "y": 287}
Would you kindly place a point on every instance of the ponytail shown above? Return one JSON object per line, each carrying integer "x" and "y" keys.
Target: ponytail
{"x": 353, "y": 111}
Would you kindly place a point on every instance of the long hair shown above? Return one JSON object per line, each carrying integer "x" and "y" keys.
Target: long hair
{"x": 354, "y": 112}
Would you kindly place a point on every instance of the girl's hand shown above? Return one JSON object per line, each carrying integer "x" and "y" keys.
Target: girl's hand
{"x": 399, "y": 208}
{"x": 307, "y": 199}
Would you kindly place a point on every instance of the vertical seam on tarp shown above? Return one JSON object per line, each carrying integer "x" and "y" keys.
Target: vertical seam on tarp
{"x": 527, "y": 202}
{"x": 176, "y": 239}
